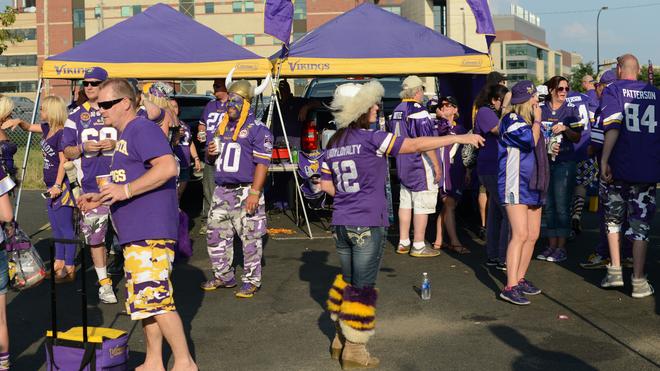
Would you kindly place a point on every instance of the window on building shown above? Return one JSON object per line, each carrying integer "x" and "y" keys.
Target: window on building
{"x": 237, "y": 6}
{"x": 393, "y": 9}
{"x": 78, "y": 18}
{"x": 249, "y": 39}
{"x": 439, "y": 16}
{"x": 18, "y": 60}
{"x": 97, "y": 12}
{"x": 238, "y": 39}
{"x": 137, "y": 9}
{"x": 516, "y": 65}
{"x": 18, "y": 86}
{"x": 300, "y": 10}
{"x": 187, "y": 7}
{"x": 126, "y": 11}
{"x": 517, "y": 77}
{"x": 25, "y": 33}
{"x": 249, "y": 6}
{"x": 209, "y": 7}
{"x": 516, "y": 49}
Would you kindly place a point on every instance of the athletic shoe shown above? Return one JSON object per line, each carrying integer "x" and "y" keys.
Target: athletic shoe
{"x": 247, "y": 290}
{"x": 401, "y": 249}
{"x": 559, "y": 255}
{"x": 492, "y": 262}
{"x": 627, "y": 262}
{"x": 641, "y": 288}
{"x": 202, "y": 230}
{"x": 424, "y": 252}
{"x": 215, "y": 283}
{"x": 527, "y": 287}
{"x": 595, "y": 261}
{"x": 107, "y": 294}
{"x": 501, "y": 267}
{"x": 614, "y": 277}
{"x": 547, "y": 252}
{"x": 513, "y": 296}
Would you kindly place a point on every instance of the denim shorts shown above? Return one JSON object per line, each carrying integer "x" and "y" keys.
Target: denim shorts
{"x": 4, "y": 271}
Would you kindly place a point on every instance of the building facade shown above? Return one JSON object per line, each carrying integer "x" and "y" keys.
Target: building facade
{"x": 18, "y": 64}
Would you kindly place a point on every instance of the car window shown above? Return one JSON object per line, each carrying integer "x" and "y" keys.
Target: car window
{"x": 325, "y": 88}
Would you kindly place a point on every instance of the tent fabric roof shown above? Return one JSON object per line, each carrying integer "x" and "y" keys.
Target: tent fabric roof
{"x": 371, "y": 40}
{"x": 157, "y": 43}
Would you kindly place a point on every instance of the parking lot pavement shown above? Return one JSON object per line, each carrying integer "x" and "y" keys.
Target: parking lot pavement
{"x": 573, "y": 325}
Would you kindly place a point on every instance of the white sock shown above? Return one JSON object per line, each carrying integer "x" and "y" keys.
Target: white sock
{"x": 418, "y": 245}
{"x": 101, "y": 272}
{"x": 404, "y": 242}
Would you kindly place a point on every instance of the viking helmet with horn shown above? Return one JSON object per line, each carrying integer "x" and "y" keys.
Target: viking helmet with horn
{"x": 243, "y": 87}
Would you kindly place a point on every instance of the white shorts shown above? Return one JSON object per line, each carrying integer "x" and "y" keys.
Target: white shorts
{"x": 422, "y": 202}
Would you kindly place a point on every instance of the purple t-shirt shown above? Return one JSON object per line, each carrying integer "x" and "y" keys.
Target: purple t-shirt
{"x": 211, "y": 118}
{"x": 569, "y": 115}
{"x": 631, "y": 107}
{"x": 587, "y": 113}
{"x": 154, "y": 214}
{"x": 486, "y": 119}
{"x": 238, "y": 159}
{"x": 86, "y": 124}
{"x": 182, "y": 150}
{"x": 51, "y": 147}
{"x": 357, "y": 166}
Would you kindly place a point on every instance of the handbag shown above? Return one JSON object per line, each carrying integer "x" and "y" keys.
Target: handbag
{"x": 26, "y": 268}
{"x": 469, "y": 154}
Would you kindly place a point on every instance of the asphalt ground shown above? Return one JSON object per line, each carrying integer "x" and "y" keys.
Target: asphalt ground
{"x": 573, "y": 325}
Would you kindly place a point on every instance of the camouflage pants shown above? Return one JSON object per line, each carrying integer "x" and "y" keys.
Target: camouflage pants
{"x": 226, "y": 217}
{"x": 634, "y": 202}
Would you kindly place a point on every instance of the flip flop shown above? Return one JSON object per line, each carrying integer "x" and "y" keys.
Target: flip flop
{"x": 459, "y": 249}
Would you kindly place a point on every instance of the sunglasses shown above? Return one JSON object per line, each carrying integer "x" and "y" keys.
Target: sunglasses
{"x": 91, "y": 83}
{"x": 109, "y": 103}
{"x": 561, "y": 88}
{"x": 448, "y": 105}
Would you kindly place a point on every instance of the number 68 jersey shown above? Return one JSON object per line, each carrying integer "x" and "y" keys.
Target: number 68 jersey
{"x": 631, "y": 107}
{"x": 85, "y": 124}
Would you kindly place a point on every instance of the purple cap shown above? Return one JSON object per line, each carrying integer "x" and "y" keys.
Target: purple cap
{"x": 96, "y": 73}
{"x": 607, "y": 77}
{"x": 522, "y": 91}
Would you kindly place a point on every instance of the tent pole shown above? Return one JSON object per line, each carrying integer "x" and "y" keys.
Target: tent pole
{"x": 288, "y": 147}
{"x": 27, "y": 148}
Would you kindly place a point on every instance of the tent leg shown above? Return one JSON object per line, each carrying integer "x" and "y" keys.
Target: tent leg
{"x": 27, "y": 149}
{"x": 288, "y": 147}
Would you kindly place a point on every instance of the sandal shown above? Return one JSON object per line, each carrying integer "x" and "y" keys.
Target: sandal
{"x": 441, "y": 246}
{"x": 459, "y": 249}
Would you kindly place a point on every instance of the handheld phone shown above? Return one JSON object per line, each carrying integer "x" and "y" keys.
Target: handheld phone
{"x": 45, "y": 195}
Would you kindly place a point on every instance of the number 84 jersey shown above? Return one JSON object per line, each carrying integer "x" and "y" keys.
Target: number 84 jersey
{"x": 631, "y": 107}
{"x": 238, "y": 158}
{"x": 85, "y": 124}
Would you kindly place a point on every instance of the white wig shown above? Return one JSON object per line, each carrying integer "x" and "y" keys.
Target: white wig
{"x": 351, "y": 101}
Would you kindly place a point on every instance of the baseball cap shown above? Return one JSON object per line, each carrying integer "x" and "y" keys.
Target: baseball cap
{"x": 522, "y": 91}
{"x": 411, "y": 82}
{"x": 97, "y": 73}
{"x": 449, "y": 99}
{"x": 607, "y": 77}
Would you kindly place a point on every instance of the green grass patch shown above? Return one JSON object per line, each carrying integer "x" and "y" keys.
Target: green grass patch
{"x": 34, "y": 172}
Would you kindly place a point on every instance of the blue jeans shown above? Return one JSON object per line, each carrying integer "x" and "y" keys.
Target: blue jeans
{"x": 498, "y": 230}
{"x": 557, "y": 209}
{"x": 4, "y": 271}
{"x": 360, "y": 251}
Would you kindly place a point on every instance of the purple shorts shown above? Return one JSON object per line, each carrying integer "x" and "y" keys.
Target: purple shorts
{"x": 94, "y": 225}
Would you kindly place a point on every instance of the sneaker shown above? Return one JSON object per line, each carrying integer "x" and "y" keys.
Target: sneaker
{"x": 641, "y": 288}
{"x": 215, "y": 283}
{"x": 559, "y": 255}
{"x": 513, "y": 296}
{"x": 627, "y": 262}
{"x": 501, "y": 267}
{"x": 107, "y": 294}
{"x": 424, "y": 252}
{"x": 614, "y": 277}
{"x": 401, "y": 249}
{"x": 527, "y": 287}
{"x": 547, "y": 252}
{"x": 202, "y": 230}
{"x": 492, "y": 262}
{"x": 595, "y": 261}
{"x": 247, "y": 290}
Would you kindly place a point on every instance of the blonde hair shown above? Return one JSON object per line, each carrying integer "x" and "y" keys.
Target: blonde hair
{"x": 56, "y": 112}
{"x": 162, "y": 102}
{"x": 411, "y": 92}
{"x": 6, "y": 106}
{"x": 524, "y": 110}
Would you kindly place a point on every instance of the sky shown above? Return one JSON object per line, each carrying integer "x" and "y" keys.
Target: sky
{"x": 621, "y": 30}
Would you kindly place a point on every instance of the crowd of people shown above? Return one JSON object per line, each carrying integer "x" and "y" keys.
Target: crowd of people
{"x": 531, "y": 155}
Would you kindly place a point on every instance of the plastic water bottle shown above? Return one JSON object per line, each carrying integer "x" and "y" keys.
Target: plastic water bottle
{"x": 426, "y": 287}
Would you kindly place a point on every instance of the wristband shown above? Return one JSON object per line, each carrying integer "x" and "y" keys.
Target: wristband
{"x": 57, "y": 186}
{"x": 254, "y": 192}
{"x": 127, "y": 191}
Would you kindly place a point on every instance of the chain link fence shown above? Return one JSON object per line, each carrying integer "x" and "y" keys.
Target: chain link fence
{"x": 33, "y": 174}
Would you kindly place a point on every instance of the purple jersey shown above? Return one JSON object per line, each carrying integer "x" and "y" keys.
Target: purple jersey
{"x": 238, "y": 159}
{"x": 85, "y": 124}
{"x": 517, "y": 162}
{"x": 485, "y": 120}
{"x": 569, "y": 115}
{"x": 357, "y": 166}
{"x": 415, "y": 170}
{"x": 182, "y": 150}
{"x": 453, "y": 171}
{"x": 211, "y": 118}
{"x": 51, "y": 148}
{"x": 630, "y": 107}
{"x": 587, "y": 113}
{"x": 154, "y": 214}
{"x": 309, "y": 170}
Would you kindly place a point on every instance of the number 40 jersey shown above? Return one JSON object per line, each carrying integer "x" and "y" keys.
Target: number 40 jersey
{"x": 85, "y": 124}
{"x": 631, "y": 107}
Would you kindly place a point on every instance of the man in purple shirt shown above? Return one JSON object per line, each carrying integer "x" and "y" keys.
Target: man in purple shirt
{"x": 589, "y": 86}
{"x": 208, "y": 123}
{"x": 90, "y": 144}
{"x": 419, "y": 173}
{"x": 630, "y": 168}
{"x": 241, "y": 149}
{"x": 142, "y": 198}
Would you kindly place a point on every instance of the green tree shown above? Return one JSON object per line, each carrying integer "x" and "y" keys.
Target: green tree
{"x": 644, "y": 75}
{"x": 8, "y": 36}
{"x": 578, "y": 72}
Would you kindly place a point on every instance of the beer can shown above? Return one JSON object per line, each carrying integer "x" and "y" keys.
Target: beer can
{"x": 201, "y": 136}
{"x": 217, "y": 142}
